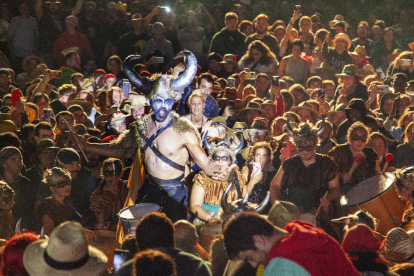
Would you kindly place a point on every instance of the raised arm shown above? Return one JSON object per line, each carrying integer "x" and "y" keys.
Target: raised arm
{"x": 78, "y": 8}
{"x": 101, "y": 149}
{"x": 285, "y": 39}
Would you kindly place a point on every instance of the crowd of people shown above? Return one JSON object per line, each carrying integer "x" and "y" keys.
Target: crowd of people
{"x": 252, "y": 119}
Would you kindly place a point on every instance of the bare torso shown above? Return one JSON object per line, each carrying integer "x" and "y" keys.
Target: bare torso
{"x": 172, "y": 145}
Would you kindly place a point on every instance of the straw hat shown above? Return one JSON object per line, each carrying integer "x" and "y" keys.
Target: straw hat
{"x": 108, "y": 114}
{"x": 26, "y": 60}
{"x": 283, "y": 212}
{"x": 221, "y": 122}
{"x": 399, "y": 246}
{"x": 136, "y": 101}
{"x": 324, "y": 65}
{"x": 307, "y": 106}
{"x": 258, "y": 124}
{"x": 344, "y": 37}
{"x": 239, "y": 127}
{"x": 65, "y": 253}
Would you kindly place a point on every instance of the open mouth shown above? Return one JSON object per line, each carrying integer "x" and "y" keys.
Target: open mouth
{"x": 162, "y": 112}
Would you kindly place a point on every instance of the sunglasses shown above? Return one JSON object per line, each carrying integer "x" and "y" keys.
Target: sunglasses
{"x": 306, "y": 148}
{"x": 361, "y": 138}
{"x": 223, "y": 158}
{"x": 110, "y": 173}
{"x": 62, "y": 184}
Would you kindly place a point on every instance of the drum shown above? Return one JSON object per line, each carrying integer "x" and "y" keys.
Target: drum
{"x": 378, "y": 195}
{"x": 130, "y": 216}
{"x": 107, "y": 243}
{"x": 208, "y": 234}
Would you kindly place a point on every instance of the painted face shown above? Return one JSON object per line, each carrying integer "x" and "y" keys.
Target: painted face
{"x": 306, "y": 150}
{"x": 358, "y": 140}
{"x": 162, "y": 108}
{"x": 222, "y": 160}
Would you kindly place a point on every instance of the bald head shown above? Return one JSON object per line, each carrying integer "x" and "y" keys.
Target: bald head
{"x": 186, "y": 237}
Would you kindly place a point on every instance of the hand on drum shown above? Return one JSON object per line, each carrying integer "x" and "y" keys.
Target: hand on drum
{"x": 213, "y": 222}
{"x": 89, "y": 235}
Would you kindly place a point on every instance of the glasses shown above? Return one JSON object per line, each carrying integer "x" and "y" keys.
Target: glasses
{"x": 363, "y": 29}
{"x": 224, "y": 158}
{"x": 306, "y": 148}
{"x": 109, "y": 172}
{"x": 257, "y": 132}
{"x": 361, "y": 138}
{"x": 62, "y": 184}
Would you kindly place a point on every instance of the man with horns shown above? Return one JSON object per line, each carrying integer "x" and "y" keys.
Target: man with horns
{"x": 166, "y": 141}
{"x": 307, "y": 179}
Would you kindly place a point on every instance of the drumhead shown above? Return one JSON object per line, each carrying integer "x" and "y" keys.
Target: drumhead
{"x": 138, "y": 210}
{"x": 369, "y": 189}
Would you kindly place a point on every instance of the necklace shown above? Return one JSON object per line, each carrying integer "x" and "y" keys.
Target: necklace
{"x": 200, "y": 124}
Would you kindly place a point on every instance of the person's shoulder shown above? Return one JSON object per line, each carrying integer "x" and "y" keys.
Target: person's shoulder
{"x": 125, "y": 269}
{"x": 190, "y": 263}
{"x": 284, "y": 267}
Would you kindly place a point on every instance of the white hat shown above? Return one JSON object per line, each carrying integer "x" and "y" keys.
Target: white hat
{"x": 65, "y": 253}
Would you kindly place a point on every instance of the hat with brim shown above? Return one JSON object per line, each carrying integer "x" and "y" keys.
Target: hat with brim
{"x": 324, "y": 66}
{"x": 252, "y": 106}
{"x": 349, "y": 70}
{"x": 339, "y": 18}
{"x": 283, "y": 212}
{"x": 359, "y": 51}
{"x": 26, "y": 60}
{"x": 280, "y": 137}
{"x": 239, "y": 127}
{"x": 65, "y": 253}
{"x": 229, "y": 58}
{"x": 137, "y": 101}
{"x": 344, "y": 37}
{"x": 221, "y": 122}
{"x": 339, "y": 108}
{"x": 108, "y": 114}
{"x": 46, "y": 144}
{"x": 258, "y": 124}
{"x": 31, "y": 113}
{"x": 307, "y": 106}
{"x": 82, "y": 102}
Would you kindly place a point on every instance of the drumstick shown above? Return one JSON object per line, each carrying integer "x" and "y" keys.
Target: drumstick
{"x": 388, "y": 158}
{"x": 320, "y": 205}
{"x": 359, "y": 157}
{"x": 76, "y": 138}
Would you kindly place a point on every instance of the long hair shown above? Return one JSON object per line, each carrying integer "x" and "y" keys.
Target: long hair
{"x": 402, "y": 55}
{"x": 267, "y": 55}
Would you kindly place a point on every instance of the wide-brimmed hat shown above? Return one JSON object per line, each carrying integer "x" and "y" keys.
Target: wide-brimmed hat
{"x": 239, "y": 127}
{"x": 399, "y": 246}
{"x": 136, "y": 101}
{"x": 215, "y": 56}
{"x": 26, "y": 60}
{"x": 359, "y": 51}
{"x": 46, "y": 144}
{"x": 307, "y": 106}
{"x": 338, "y": 108}
{"x": 344, "y": 37}
{"x": 259, "y": 123}
{"x": 31, "y": 113}
{"x": 65, "y": 253}
{"x": 283, "y": 212}
{"x": 109, "y": 112}
{"x": 348, "y": 70}
{"x": 220, "y": 121}
{"x": 86, "y": 106}
{"x": 324, "y": 65}
{"x": 339, "y": 19}
{"x": 229, "y": 58}
{"x": 252, "y": 106}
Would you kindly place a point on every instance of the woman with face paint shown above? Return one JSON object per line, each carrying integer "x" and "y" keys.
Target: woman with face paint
{"x": 108, "y": 199}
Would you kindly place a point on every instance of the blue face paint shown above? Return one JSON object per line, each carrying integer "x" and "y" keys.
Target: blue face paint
{"x": 162, "y": 108}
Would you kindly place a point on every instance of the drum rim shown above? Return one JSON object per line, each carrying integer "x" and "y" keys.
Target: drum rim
{"x": 368, "y": 200}
{"x": 120, "y": 212}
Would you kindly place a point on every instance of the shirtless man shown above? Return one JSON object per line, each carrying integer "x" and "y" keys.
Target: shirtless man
{"x": 167, "y": 142}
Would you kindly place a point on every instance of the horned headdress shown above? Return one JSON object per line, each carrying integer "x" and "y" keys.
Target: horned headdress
{"x": 223, "y": 147}
{"x": 162, "y": 83}
{"x": 305, "y": 131}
